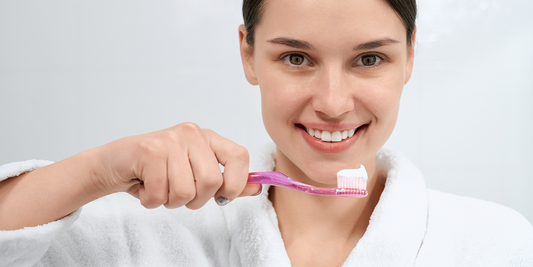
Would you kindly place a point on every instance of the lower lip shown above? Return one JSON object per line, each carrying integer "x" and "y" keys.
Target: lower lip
{"x": 331, "y": 147}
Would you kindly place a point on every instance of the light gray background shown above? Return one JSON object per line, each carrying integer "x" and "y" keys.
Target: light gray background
{"x": 79, "y": 74}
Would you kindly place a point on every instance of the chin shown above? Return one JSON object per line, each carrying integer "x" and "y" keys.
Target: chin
{"x": 327, "y": 178}
{"x": 324, "y": 172}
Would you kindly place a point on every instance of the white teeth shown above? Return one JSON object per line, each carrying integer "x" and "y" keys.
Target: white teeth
{"x": 336, "y": 136}
{"x": 311, "y": 132}
{"x": 326, "y": 136}
{"x": 331, "y": 137}
{"x": 344, "y": 134}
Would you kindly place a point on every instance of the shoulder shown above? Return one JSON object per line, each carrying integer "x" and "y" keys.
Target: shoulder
{"x": 483, "y": 228}
{"x": 476, "y": 212}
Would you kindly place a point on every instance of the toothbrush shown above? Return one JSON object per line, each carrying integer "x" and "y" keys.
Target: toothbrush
{"x": 350, "y": 183}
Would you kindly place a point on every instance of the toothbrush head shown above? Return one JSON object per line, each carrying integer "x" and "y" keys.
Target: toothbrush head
{"x": 351, "y": 180}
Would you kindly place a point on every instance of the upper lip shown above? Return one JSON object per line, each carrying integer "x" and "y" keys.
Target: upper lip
{"x": 331, "y": 127}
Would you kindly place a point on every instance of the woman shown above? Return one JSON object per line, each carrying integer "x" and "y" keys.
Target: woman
{"x": 329, "y": 67}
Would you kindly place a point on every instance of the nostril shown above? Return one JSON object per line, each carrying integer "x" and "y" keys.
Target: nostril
{"x": 333, "y": 105}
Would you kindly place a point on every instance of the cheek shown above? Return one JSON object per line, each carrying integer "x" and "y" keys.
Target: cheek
{"x": 270, "y": 107}
{"x": 384, "y": 103}
{"x": 280, "y": 105}
{"x": 275, "y": 105}
{"x": 281, "y": 96}
{"x": 381, "y": 93}
{"x": 387, "y": 102}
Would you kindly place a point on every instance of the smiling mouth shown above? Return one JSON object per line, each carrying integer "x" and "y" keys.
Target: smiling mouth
{"x": 331, "y": 137}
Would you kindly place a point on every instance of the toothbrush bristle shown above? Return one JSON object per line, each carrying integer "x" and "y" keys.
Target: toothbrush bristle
{"x": 351, "y": 182}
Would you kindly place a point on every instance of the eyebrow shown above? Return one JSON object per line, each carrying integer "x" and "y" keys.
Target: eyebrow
{"x": 376, "y": 44}
{"x": 306, "y": 45}
{"x": 292, "y": 43}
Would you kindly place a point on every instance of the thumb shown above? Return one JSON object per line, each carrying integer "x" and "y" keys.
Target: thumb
{"x": 252, "y": 190}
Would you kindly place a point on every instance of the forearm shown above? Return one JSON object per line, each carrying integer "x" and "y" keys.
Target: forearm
{"x": 47, "y": 194}
{"x": 178, "y": 166}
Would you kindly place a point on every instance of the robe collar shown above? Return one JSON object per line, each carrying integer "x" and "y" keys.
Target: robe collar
{"x": 393, "y": 238}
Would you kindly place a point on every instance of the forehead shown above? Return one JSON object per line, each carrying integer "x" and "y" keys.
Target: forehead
{"x": 338, "y": 21}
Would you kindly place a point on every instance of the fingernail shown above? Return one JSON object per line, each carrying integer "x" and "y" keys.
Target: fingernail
{"x": 258, "y": 192}
{"x": 222, "y": 201}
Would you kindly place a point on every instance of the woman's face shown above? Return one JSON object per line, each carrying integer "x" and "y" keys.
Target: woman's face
{"x": 332, "y": 66}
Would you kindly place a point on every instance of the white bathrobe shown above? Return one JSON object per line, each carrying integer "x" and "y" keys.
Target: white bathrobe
{"x": 410, "y": 226}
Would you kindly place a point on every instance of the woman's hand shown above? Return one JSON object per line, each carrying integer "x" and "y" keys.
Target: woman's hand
{"x": 178, "y": 166}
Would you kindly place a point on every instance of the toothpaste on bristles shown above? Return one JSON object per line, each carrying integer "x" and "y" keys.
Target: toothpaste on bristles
{"x": 352, "y": 178}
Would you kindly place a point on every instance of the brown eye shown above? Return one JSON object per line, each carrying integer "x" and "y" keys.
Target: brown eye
{"x": 368, "y": 60}
{"x": 296, "y": 59}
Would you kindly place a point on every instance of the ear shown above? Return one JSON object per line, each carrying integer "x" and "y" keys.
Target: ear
{"x": 410, "y": 58}
{"x": 247, "y": 56}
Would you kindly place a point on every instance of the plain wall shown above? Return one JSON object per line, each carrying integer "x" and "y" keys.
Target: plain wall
{"x": 79, "y": 74}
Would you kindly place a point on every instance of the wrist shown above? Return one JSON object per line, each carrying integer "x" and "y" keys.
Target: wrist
{"x": 95, "y": 181}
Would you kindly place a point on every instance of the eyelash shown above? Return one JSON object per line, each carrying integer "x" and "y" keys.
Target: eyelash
{"x": 286, "y": 62}
{"x": 380, "y": 59}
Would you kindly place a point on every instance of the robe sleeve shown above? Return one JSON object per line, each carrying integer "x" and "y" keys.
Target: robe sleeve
{"x": 25, "y": 247}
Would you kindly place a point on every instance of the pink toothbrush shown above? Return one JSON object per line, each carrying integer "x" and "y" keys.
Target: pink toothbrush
{"x": 350, "y": 183}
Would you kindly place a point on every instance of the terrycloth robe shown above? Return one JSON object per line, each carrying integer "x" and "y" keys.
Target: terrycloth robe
{"x": 410, "y": 226}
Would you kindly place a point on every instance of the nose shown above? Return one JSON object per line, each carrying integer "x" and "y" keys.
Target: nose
{"x": 333, "y": 97}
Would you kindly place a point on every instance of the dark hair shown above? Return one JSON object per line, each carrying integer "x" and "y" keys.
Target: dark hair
{"x": 252, "y": 11}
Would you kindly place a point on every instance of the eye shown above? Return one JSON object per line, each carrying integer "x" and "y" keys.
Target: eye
{"x": 296, "y": 59}
{"x": 368, "y": 60}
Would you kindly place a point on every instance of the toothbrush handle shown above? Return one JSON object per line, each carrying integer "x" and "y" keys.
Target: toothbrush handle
{"x": 279, "y": 179}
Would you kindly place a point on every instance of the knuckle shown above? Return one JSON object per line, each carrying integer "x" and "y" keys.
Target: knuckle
{"x": 212, "y": 179}
{"x": 184, "y": 195}
{"x": 171, "y": 136}
{"x": 151, "y": 147}
{"x": 241, "y": 154}
{"x": 208, "y": 131}
{"x": 157, "y": 199}
{"x": 189, "y": 127}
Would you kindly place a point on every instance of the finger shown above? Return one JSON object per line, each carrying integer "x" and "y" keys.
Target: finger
{"x": 235, "y": 160}
{"x": 252, "y": 190}
{"x": 154, "y": 191}
{"x": 249, "y": 190}
{"x": 205, "y": 171}
{"x": 182, "y": 188}
{"x": 134, "y": 190}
